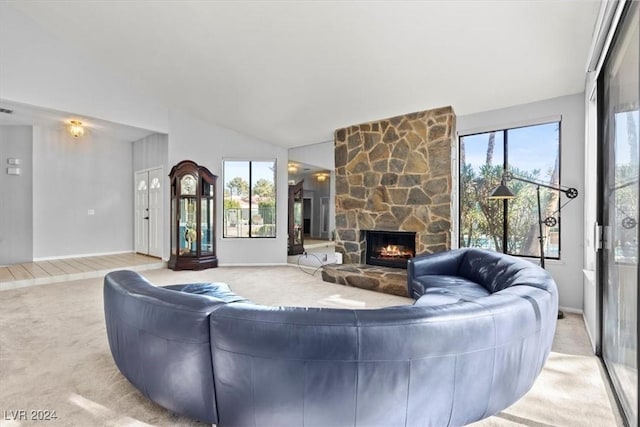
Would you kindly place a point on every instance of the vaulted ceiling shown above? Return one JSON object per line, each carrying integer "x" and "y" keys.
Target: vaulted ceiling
{"x": 290, "y": 72}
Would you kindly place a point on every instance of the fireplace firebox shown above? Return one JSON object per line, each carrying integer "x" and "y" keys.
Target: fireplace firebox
{"x": 389, "y": 248}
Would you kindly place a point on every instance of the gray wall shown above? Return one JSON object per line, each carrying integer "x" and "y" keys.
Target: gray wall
{"x": 567, "y": 271}
{"x": 16, "y": 208}
{"x": 73, "y": 176}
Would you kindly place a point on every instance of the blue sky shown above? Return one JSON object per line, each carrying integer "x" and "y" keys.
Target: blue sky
{"x": 532, "y": 147}
{"x": 261, "y": 170}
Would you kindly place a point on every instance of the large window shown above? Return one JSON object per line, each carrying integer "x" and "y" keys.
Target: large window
{"x": 619, "y": 107}
{"x": 510, "y": 226}
{"x": 249, "y": 198}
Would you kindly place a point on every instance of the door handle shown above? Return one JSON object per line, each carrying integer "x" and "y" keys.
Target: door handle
{"x": 146, "y": 217}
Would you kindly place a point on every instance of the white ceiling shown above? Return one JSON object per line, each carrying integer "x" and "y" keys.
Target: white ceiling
{"x": 291, "y": 72}
{"x": 23, "y": 114}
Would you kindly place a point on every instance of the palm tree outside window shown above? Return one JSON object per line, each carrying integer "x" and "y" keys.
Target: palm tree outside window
{"x": 510, "y": 226}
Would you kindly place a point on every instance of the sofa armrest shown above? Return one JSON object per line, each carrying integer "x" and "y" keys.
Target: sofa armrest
{"x": 442, "y": 263}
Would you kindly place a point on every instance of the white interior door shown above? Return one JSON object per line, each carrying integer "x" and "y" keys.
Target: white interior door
{"x": 141, "y": 222}
{"x": 155, "y": 223}
{"x": 148, "y": 212}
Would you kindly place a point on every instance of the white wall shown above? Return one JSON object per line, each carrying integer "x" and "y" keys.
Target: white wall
{"x": 150, "y": 152}
{"x": 16, "y": 206}
{"x": 207, "y": 145}
{"x": 72, "y": 176}
{"x": 568, "y": 271}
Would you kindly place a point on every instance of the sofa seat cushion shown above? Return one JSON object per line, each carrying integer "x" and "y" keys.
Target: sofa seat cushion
{"x": 453, "y": 286}
{"x": 217, "y": 290}
{"x": 436, "y": 297}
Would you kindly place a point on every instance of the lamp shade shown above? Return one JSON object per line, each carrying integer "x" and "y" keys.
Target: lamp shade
{"x": 501, "y": 192}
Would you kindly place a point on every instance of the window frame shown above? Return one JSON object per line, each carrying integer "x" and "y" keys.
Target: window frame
{"x": 505, "y": 166}
{"x": 274, "y": 161}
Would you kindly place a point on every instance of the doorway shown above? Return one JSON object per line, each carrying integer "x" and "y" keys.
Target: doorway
{"x": 148, "y": 222}
{"x": 307, "y": 211}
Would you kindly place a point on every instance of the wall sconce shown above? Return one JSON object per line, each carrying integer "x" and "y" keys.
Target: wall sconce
{"x": 292, "y": 168}
{"x": 76, "y": 129}
{"x": 322, "y": 177}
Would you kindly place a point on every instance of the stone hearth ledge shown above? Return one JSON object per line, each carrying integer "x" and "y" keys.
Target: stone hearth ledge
{"x": 380, "y": 279}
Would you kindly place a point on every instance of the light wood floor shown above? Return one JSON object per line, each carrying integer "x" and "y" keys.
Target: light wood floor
{"x": 42, "y": 272}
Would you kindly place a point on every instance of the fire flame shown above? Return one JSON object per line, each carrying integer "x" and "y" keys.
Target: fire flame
{"x": 394, "y": 251}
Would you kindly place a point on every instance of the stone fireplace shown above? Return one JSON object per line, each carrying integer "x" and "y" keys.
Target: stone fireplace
{"x": 394, "y": 175}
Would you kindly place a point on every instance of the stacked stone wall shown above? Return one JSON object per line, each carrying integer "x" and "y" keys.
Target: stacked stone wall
{"x": 395, "y": 175}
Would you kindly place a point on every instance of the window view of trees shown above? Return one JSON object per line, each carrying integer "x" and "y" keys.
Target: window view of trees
{"x": 531, "y": 152}
{"x": 249, "y": 199}
{"x": 624, "y": 194}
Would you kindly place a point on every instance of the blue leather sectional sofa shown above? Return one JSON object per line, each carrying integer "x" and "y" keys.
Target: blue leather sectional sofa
{"x": 472, "y": 344}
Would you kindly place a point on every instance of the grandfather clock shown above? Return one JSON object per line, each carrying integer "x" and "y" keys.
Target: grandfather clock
{"x": 193, "y": 213}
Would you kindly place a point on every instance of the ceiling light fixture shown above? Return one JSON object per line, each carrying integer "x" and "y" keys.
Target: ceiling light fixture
{"x": 322, "y": 177}
{"x": 76, "y": 129}
{"x": 292, "y": 168}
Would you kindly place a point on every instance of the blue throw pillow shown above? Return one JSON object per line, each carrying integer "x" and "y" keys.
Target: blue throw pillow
{"x": 217, "y": 290}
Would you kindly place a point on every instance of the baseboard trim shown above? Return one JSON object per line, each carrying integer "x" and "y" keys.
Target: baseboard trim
{"x": 253, "y": 264}
{"x": 82, "y": 255}
{"x": 591, "y": 340}
{"x": 571, "y": 310}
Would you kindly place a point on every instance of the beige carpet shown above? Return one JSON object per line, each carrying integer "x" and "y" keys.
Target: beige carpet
{"x": 54, "y": 354}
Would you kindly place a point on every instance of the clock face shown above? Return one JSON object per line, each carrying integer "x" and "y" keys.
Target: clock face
{"x": 188, "y": 185}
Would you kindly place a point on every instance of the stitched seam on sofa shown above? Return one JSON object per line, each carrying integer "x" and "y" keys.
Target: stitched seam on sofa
{"x": 524, "y": 297}
{"x": 460, "y": 353}
{"x": 170, "y": 306}
{"x": 161, "y": 336}
{"x": 493, "y": 364}
{"x": 304, "y": 387}
{"x": 174, "y": 306}
{"x": 406, "y": 408}
{"x": 369, "y": 325}
{"x": 213, "y": 374}
{"x": 253, "y": 393}
{"x": 453, "y": 392}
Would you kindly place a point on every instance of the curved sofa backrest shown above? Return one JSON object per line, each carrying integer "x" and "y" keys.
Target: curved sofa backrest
{"x": 496, "y": 271}
{"x": 159, "y": 339}
{"x": 408, "y": 365}
{"x": 493, "y": 270}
